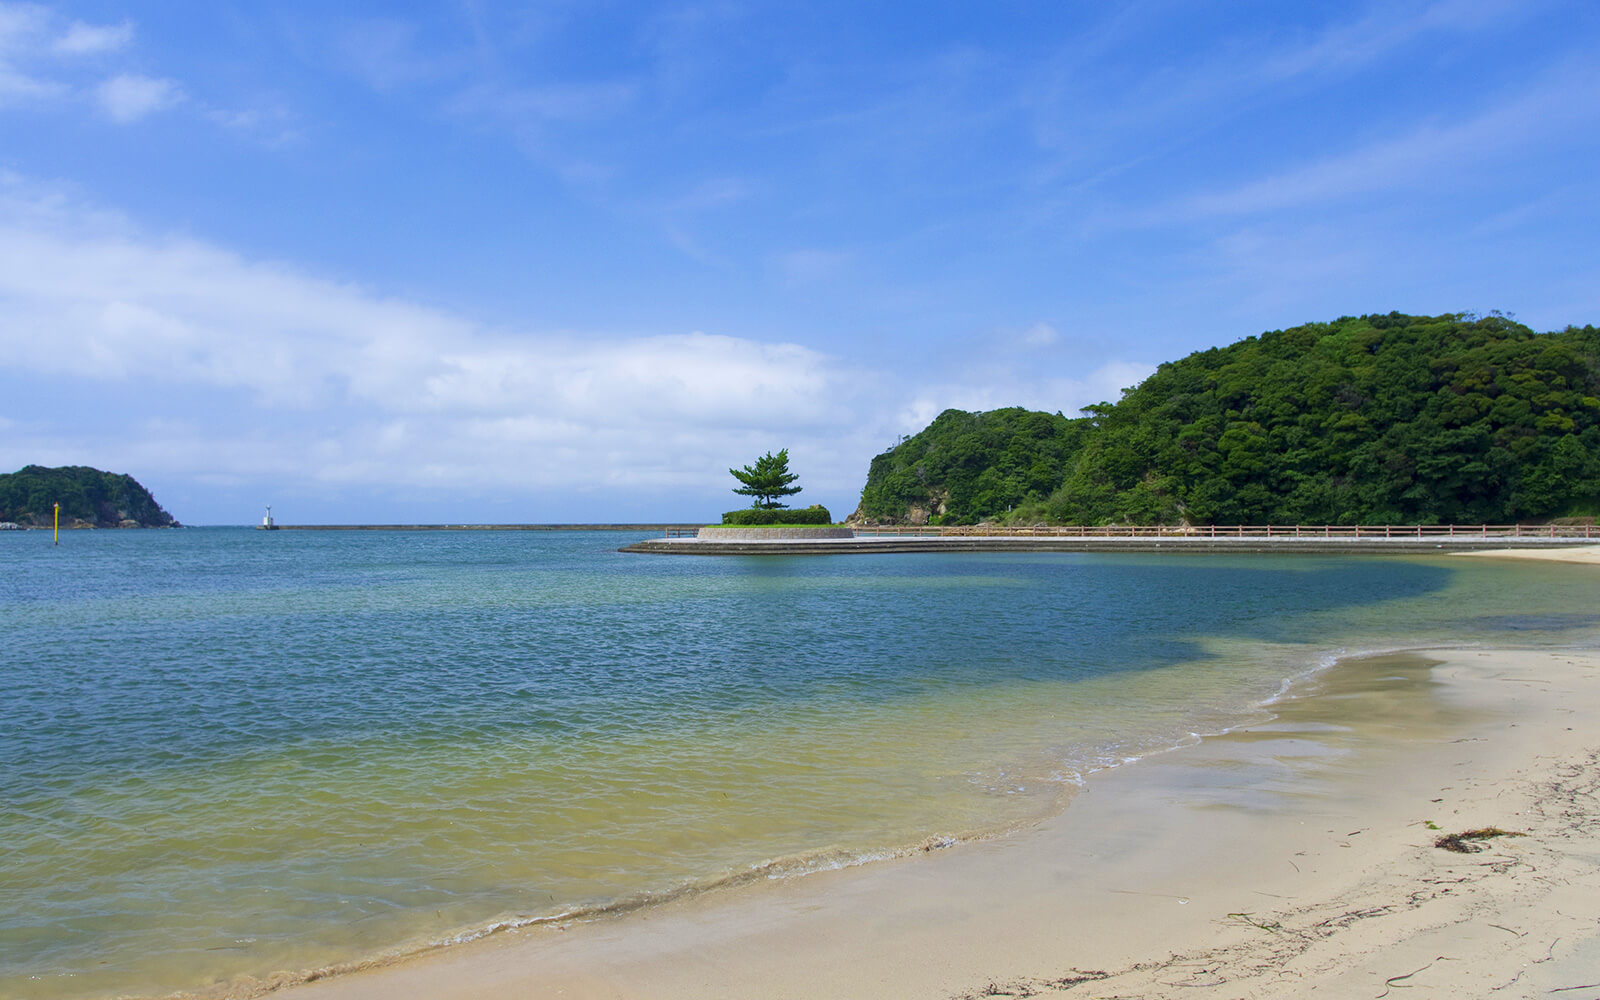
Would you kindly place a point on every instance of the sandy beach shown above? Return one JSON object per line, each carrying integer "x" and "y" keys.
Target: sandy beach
{"x": 1576, "y": 554}
{"x": 1289, "y": 858}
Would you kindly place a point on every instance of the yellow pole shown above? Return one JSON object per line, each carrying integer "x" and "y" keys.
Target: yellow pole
{"x": 57, "y": 535}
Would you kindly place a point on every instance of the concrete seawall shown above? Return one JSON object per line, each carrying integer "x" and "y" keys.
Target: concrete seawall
{"x": 1179, "y": 545}
{"x": 756, "y": 533}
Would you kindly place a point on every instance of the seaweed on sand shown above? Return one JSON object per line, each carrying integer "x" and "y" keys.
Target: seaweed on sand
{"x": 1471, "y": 841}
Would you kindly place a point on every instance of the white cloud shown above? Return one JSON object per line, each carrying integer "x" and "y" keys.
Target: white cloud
{"x": 1039, "y": 335}
{"x": 20, "y": 22}
{"x": 1000, "y": 387}
{"x": 41, "y": 60}
{"x": 248, "y": 371}
{"x": 88, "y": 39}
{"x": 21, "y": 27}
{"x": 364, "y": 388}
{"x": 19, "y": 88}
{"x": 129, "y": 97}
{"x": 270, "y": 126}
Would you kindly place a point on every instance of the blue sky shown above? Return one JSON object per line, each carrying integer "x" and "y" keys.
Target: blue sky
{"x": 470, "y": 261}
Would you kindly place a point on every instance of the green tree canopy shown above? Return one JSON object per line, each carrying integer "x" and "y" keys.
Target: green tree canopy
{"x": 967, "y": 466}
{"x": 767, "y": 480}
{"x": 29, "y": 496}
{"x": 1379, "y": 419}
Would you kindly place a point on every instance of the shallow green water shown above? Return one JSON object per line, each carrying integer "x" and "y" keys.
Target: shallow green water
{"x": 228, "y": 753}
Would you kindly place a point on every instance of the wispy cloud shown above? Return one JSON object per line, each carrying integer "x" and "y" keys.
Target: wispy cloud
{"x": 19, "y": 22}
{"x": 388, "y": 53}
{"x": 130, "y": 97}
{"x": 1098, "y": 123}
{"x": 89, "y": 39}
{"x": 808, "y": 266}
{"x": 1431, "y": 154}
{"x": 988, "y": 387}
{"x": 269, "y": 125}
{"x": 20, "y": 88}
{"x": 1039, "y": 335}
{"x": 48, "y": 62}
{"x": 22, "y": 28}
{"x": 521, "y": 105}
{"x": 1349, "y": 45}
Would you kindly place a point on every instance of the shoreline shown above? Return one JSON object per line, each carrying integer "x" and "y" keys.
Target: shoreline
{"x": 1155, "y": 868}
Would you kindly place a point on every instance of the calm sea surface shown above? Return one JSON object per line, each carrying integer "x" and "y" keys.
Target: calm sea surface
{"x": 226, "y": 753}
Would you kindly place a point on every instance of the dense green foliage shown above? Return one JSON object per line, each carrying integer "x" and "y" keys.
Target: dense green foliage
{"x": 1376, "y": 419}
{"x": 100, "y": 498}
{"x": 814, "y": 514}
{"x": 767, "y": 480}
{"x": 966, "y": 466}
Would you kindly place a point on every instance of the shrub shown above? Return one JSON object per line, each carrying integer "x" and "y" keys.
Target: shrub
{"x": 814, "y": 514}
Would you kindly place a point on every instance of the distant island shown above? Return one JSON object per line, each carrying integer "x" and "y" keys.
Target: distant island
{"x": 89, "y": 498}
{"x": 1381, "y": 419}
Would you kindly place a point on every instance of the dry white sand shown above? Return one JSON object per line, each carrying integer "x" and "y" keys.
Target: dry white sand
{"x": 1290, "y": 859}
{"x": 1577, "y": 554}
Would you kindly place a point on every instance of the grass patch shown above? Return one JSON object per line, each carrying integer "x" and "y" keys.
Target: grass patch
{"x": 1471, "y": 841}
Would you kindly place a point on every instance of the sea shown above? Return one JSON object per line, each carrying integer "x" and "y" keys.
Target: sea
{"x": 232, "y": 758}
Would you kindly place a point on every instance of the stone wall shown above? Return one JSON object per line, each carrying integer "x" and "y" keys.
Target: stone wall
{"x": 744, "y": 534}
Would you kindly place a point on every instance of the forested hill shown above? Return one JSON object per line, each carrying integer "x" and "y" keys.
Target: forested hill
{"x": 1376, "y": 420}
{"x": 87, "y": 496}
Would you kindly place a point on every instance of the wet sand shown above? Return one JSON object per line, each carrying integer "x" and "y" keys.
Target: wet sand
{"x": 1292, "y": 858}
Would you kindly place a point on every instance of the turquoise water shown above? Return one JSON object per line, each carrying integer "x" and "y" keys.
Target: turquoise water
{"x": 230, "y": 754}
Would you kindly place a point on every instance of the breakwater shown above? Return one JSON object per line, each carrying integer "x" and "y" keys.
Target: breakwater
{"x": 657, "y": 526}
{"x": 1170, "y": 544}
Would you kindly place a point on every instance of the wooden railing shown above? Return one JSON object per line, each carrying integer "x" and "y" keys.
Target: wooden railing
{"x": 1247, "y": 531}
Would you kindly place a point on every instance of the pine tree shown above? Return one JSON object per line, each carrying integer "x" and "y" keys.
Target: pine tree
{"x": 767, "y": 480}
